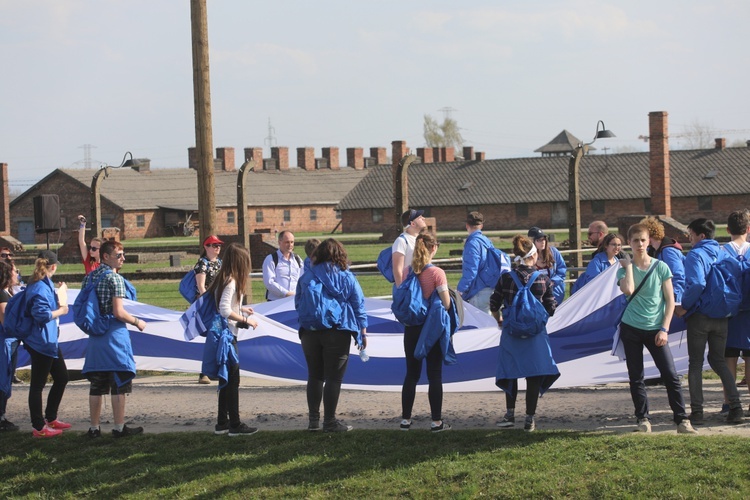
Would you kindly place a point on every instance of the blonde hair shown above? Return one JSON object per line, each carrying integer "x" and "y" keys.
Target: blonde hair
{"x": 522, "y": 245}
{"x": 423, "y": 252}
{"x": 41, "y": 269}
{"x": 654, "y": 226}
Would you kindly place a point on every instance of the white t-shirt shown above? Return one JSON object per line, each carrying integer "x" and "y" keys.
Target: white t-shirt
{"x": 740, "y": 250}
{"x": 404, "y": 244}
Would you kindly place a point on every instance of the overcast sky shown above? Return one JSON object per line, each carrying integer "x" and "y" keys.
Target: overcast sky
{"x": 118, "y": 74}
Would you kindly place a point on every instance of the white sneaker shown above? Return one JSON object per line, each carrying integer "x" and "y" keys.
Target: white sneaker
{"x": 685, "y": 427}
{"x": 644, "y": 425}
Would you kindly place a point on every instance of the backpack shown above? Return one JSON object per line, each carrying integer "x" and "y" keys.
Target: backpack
{"x": 722, "y": 296}
{"x": 18, "y": 321}
{"x": 496, "y": 264}
{"x": 526, "y": 316}
{"x": 275, "y": 258}
{"x": 409, "y": 306}
{"x": 385, "y": 262}
{"x": 189, "y": 287}
{"x": 317, "y": 308}
{"x": 744, "y": 266}
{"x": 86, "y": 313}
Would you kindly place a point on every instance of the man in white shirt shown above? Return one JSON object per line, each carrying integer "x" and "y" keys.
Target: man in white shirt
{"x": 403, "y": 248}
{"x": 282, "y": 269}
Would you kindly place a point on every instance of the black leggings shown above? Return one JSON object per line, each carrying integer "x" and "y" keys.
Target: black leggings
{"x": 327, "y": 356}
{"x": 229, "y": 396}
{"x": 414, "y": 372}
{"x": 41, "y": 367}
{"x": 533, "y": 384}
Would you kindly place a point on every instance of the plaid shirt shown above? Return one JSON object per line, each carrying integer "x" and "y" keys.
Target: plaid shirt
{"x": 506, "y": 289}
{"x": 109, "y": 287}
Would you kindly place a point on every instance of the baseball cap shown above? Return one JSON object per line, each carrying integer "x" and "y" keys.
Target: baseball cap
{"x": 49, "y": 256}
{"x": 474, "y": 219}
{"x": 212, "y": 239}
{"x": 535, "y": 233}
{"x": 410, "y": 215}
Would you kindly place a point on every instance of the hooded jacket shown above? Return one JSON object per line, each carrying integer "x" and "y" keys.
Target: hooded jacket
{"x": 474, "y": 277}
{"x": 670, "y": 251}
{"x": 41, "y": 301}
{"x": 697, "y": 264}
{"x": 595, "y": 267}
{"x": 438, "y": 328}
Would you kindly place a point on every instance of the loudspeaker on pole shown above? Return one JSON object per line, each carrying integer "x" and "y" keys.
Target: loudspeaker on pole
{"x": 46, "y": 213}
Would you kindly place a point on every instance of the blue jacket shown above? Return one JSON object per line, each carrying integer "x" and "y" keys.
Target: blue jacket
{"x": 671, "y": 253}
{"x": 41, "y": 301}
{"x": 596, "y": 266}
{"x": 344, "y": 286}
{"x": 474, "y": 258}
{"x": 111, "y": 352}
{"x": 219, "y": 355}
{"x": 439, "y": 327}
{"x": 556, "y": 274}
{"x": 6, "y": 366}
{"x": 697, "y": 264}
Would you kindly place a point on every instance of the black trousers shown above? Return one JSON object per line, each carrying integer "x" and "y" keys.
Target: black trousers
{"x": 327, "y": 356}
{"x": 229, "y": 396}
{"x": 41, "y": 367}
{"x": 532, "y": 394}
{"x": 414, "y": 372}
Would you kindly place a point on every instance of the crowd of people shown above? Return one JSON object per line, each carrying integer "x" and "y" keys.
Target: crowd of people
{"x": 659, "y": 282}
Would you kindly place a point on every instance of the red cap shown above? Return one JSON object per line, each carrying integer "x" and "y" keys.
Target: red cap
{"x": 212, "y": 239}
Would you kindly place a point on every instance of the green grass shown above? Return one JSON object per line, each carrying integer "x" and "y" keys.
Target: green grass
{"x": 383, "y": 464}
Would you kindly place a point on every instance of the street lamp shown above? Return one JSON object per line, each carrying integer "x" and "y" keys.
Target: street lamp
{"x": 96, "y": 200}
{"x": 574, "y": 197}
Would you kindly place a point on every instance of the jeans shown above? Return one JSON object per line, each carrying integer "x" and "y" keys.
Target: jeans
{"x": 533, "y": 384}
{"x": 633, "y": 340}
{"x": 414, "y": 372}
{"x": 327, "y": 356}
{"x": 482, "y": 299}
{"x": 229, "y": 396}
{"x": 702, "y": 330}
{"x": 41, "y": 367}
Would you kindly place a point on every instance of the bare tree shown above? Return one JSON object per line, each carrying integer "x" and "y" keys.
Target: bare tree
{"x": 698, "y": 135}
{"x": 446, "y": 134}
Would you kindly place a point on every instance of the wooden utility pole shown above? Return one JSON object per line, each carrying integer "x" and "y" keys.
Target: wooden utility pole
{"x": 203, "y": 131}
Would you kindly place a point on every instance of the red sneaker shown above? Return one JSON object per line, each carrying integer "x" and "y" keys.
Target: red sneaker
{"x": 46, "y": 432}
{"x": 58, "y": 424}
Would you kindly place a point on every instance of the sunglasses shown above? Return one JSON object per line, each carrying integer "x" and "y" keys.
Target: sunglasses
{"x": 120, "y": 255}
{"x": 6, "y": 255}
{"x": 94, "y": 249}
{"x": 214, "y": 245}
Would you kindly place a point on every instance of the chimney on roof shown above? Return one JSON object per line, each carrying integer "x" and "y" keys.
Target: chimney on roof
{"x": 658, "y": 133}
{"x": 143, "y": 167}
{"x": 448, "y": 154}
{"x": 280, "y": 155}
{"x": 436, "y": 155}
{"x": 4, "y": 201}
{"x": 468, "y": 153}
{"x": 355, "y": 158}
{"x": 332, "y": 155}
{"x": 479, "y": 156}
{"x": 399, "y": 150}
{"x": 380, "y": 155}
{"x": 425, "y": 154}
{"x": 226, "y": 158}
{"x": 306, "y": 158}
{"x": 721, "y": 143}
{"x": 255, "y": 155}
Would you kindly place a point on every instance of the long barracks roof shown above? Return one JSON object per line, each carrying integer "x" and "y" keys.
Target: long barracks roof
{"x": 545, "y": 179}
{"x": 177, "y": 188}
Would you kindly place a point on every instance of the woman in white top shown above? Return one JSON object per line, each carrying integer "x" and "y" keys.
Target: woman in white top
{"x": 228, "y": 292}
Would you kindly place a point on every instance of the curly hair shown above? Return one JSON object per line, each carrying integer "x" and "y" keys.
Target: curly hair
{"x": 331, "y": 251}
{"x": 655, "y": 227}
{"x": 426, "y": 242}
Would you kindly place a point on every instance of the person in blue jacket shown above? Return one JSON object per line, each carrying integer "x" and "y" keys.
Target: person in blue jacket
{"x": 109, "y": 364}
{"x": 550, "y": 261}
{"x": 8, "y": 345}
{"x": 46, "y": 305}
{"x": 669, "y": 251}
{"x": 530, "y": 357}
{"x": 702, "y": 329}
{"x": 612, "y": 244}
{"x": 477, "y": 280}
{"x": 327, "y": 350}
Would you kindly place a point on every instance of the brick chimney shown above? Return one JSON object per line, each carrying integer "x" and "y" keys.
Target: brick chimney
{"x": 399, "y": 150}
{"x": 281, "y": 155}
{"x": 468, "y": 153}
{"x": 658, "y": 138}
{"x": 479, "y": 156}
{"x": 332, "y": 155}
{"x": 448, "y": 154}
{"x": 4, "y": 201}
{"x": 255, "y": 155}
{"x": 436, "y": 155}
{"x": 425, "y": 154}
{"x": 380, "y": 155}
{"x": 193, "y": 158}
{"x": 721, "y": 143}
{"x": 226, "y": 158}
{"x": 306, "y": 158}
{"x": 355, "y": 158}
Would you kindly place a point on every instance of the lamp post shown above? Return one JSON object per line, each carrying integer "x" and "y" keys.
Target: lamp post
{"x": 96, "y": 199}
{"x": 574, "y": 196}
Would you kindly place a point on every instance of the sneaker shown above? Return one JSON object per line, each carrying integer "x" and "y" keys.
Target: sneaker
{"x": 46, "y": 432}
{"x": 685, "y": 427}
{"x": 59, "y": 424}
{"x": 127, "y": 431}
{"x": 724, "y": 410}
{"x": 313, "y": 425}
{"x": 242, "y": 430}
{"x": 203, "y": 379}
{"x": 337, "y": 426}
{"x": 7, "y": 426}
{"x": 405, "y": 425}
{"x": 507, "y": 421}
{"x": 644, "y": 425}
{"x": 440, "y": 428}
{"x": 17, "y": 380}
{"x": 220, "y": 429}
{"x": 94, "y": 433}
{"x": 736, "y": 416}
{"x": 696, "y": 417}
{"x": 529, "y": 425}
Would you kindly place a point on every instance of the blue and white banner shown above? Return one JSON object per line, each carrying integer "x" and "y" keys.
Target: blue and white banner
{"x": 581, "y": 333}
